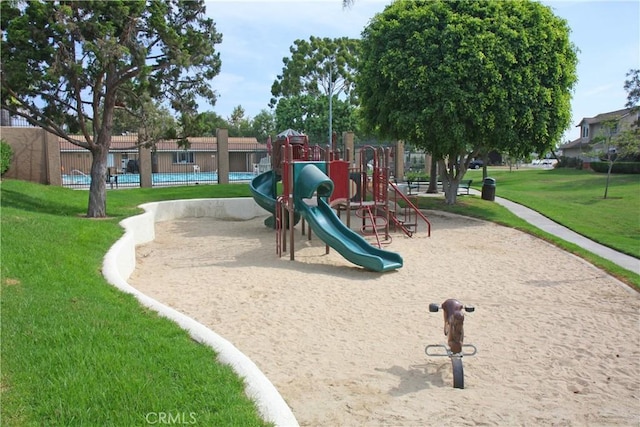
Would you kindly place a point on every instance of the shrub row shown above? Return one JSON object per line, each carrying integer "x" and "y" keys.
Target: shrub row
{"x": 416, "y": 176}
{"x": 569, "y": 162}
{"x": 618, "y": 167}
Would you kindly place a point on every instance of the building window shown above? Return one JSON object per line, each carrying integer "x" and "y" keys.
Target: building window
{"x": 585, "y": 131}
{"x": 614, "y": 129}
{"x": 183, "y": 157}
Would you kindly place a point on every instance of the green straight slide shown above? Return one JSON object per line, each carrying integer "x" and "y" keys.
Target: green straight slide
{"x": 328, "y": 227}
{"x": 322, "y": 219}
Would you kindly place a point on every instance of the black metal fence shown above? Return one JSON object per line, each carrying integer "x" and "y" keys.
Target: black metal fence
{"x": 170, "y": 167}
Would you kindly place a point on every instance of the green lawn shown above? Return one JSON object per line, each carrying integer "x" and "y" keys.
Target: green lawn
{"x": 76, "y": 351}
{"x": 575, "y": 199}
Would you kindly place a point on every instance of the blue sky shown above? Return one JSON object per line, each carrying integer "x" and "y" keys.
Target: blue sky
{"x": 258, "y": 34}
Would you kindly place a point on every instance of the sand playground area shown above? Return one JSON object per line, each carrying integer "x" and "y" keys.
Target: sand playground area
{"x": 558, "y": 340}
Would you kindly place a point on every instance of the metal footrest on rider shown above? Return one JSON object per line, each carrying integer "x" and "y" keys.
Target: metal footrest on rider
{"x": 444, "y": 351}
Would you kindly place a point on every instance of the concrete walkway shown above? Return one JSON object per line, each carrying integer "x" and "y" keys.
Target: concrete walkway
{"x": 545, "y": 224}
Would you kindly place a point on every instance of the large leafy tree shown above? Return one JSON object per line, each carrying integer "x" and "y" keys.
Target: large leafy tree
{"x": 316, "y": 70}
{"x": 66, "y": 66}
{"x": 310, "y": 115}
{"x": 459, "y": 78}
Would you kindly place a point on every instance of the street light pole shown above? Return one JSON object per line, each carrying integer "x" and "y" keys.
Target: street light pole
{"x": 330, "y": 104}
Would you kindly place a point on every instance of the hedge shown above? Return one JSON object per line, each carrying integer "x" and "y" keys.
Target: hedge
{"x": 6, "y": 153}
{"x": 618, "y": 167}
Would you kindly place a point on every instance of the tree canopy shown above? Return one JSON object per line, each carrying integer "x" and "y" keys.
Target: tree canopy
{"x": 462, "y": 78}
{"x": 317, "y": 68}
{"x": 632, "y": 86}
{"x": 66, "y": 67}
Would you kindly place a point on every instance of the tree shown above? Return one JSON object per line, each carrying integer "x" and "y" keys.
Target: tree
{"x": 619, "y": 141}
{"x": 150, "y": 119}
{"x": 66, "y": 66}
{"x": 239, "y": 125}
{"x": 263, "y": 125}
{"x": 632, "y": 86}
{"x": 615, "y": 142}
{"x": 310, "y": 114}
{"x": 206, "y": 123}
{"x": 463, "y": 78}
{"x": 317, "y": 69}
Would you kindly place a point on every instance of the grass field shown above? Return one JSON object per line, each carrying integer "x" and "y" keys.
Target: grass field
{"x": 76, "y": 351}
{"x": 575, "y": 199}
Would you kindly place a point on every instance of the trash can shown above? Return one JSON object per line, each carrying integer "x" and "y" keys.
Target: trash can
{"x": 489, "y": 189}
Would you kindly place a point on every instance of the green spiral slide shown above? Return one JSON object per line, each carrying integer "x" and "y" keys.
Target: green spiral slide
{"x": 263, "y": 189}
{"x": 323, "y": 220}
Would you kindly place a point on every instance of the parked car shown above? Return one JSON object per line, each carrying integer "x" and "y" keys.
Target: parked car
{"x": 476, "y": 164}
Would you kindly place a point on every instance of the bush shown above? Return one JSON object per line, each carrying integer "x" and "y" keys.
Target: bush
{"x": 6, "y": 154}
{"x": 569, "y": 162}
{"x": 416, "y": 176}
{"x": 618, "y": 167}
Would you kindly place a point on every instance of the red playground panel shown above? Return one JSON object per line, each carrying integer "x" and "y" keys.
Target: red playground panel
{"x": 339, "y": 174}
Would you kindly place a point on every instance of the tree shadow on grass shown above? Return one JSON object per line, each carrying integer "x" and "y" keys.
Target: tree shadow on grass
{"x": 25, "y": 202}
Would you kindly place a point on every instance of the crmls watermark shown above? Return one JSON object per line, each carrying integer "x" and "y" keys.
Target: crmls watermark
{"x": 159, "y": 418}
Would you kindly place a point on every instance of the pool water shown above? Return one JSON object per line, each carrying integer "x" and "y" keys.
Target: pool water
{"x": 161, "y": 178}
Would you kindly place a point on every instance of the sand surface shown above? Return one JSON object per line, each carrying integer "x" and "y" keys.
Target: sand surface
{"x": 558, "y": 340}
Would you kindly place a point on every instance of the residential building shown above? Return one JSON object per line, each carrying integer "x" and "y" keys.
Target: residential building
{"x": 167, "y": 156}
{"x": 592, "y": 129}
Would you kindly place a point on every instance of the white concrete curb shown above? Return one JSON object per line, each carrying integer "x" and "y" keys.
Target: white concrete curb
{"x": 120, "y": 262}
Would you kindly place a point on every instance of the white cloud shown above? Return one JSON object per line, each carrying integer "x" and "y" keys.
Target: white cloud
{"x": 257, "y": 35}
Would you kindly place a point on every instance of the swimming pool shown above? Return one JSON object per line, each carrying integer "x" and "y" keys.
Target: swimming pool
{"x": 79, "y": 179}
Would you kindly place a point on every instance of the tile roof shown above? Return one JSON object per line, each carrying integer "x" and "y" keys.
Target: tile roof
{"x": 605, "y": 116}
{"x": 207, "y": 143}
{"x": 570, "y": 144}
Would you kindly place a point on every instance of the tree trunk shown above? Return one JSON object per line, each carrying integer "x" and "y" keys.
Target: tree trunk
{"x": 100, "y": 152}
{"x": 451, "y": 191}
{"x": 449, "y": 184}
{"x": 485, "y": 163}
{"x": 98, "y": 189}
{"x": 433, "y": 176}
{"x": 606, "y": 187}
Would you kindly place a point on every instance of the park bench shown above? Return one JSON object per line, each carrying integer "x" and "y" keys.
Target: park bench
{"x": 465, "y": 184}
{"x": 415, "y": 185}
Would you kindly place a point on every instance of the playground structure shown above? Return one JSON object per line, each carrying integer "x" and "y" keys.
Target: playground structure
{"x": 454, "y": 330}
{"x": 366, "y": 190}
